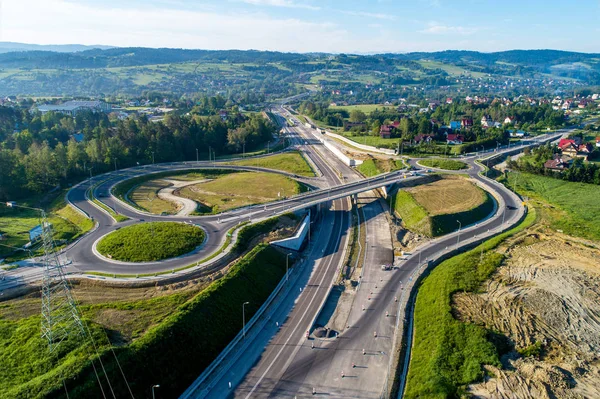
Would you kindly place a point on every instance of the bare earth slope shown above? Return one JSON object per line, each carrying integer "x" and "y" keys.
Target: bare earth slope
{"x": 546, "y": 299}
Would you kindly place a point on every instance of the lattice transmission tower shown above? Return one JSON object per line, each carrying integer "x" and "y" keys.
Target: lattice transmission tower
{"x": 60, "y": 316}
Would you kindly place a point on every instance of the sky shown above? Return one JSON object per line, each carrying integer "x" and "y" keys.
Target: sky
{"x": 333, "y": 26}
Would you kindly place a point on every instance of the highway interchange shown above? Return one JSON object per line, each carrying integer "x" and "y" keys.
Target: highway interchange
{"x": 276, "y": 359}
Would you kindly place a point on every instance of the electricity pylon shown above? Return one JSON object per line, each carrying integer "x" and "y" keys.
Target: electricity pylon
{"x": 60, "y": 316}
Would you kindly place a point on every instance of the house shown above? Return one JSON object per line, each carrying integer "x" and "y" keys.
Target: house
{"x": 223, "y": 114}
{"x": 595, "y": 96}
{"x": 385, "y": 131}
{"x": 558, "y": 162}
{"x": 574, "y": 148}
{"x": 423, "y": 138}
{"x": 455, "y": 139}
{"x": 597, "y": 141}
{"x": 510, "y": 120}
{"x": 487, "y": 121}
{"x": 455, "y": 125}
{"x": 466, "y": 123}
{"x": 449, "y": 100}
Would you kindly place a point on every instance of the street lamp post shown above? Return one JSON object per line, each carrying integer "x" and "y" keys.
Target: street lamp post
{"x": 197, "y": 160}
{"x": 153, "y": 387}
{"x": 244, "y": 319}
{"x": 459, "y": 227}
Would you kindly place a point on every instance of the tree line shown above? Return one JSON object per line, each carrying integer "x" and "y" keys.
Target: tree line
{"x": 44, "y": 152}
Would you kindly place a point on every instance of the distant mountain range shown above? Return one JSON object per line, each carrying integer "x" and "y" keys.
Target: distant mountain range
{"x": 7, "y": 47}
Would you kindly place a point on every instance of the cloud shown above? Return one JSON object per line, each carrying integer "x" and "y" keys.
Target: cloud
{"x": 281, "y": 3}
{"x": 389, "y": 17}
{"x": 435, "y": 28}
{"x": 65, "y": 21}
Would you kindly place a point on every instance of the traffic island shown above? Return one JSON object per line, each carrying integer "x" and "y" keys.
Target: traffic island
{"x": 151, "y": 242}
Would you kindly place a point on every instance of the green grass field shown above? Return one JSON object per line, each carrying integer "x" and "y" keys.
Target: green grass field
{"x": 374, "y": 141}
{"x": 169, "y": 339}
{"x": 441, "y": 163}
{"x": 366, "y": 108}
{"x": 448, "y": 354}
{"x": 571, "y": 207}
{"x": 67, "y": 223}
{"x": 236, "y": 190}
{"x": 153, "y": 241}
{"x": 292, "y": 162}
{"x": 373, "y": 167}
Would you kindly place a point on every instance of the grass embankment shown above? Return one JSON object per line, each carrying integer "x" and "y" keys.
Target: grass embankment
{"x": 175, "y": 337}
{"x": 440, "y": 163}
{"x": 448, "y": 354}
{"x": 147, "y": 242}
{"x": 374, "y": 166}
{"x": 15, "y": 223}
{"x": 571, "y": 207}
{"x": 146, "y": 196}
{"x": 433, "y": 209}
{"x": 240, "y": 189}
{"x": 292, "y": 162}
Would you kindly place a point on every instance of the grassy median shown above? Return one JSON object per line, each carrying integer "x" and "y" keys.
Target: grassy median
{"x": 441, "y": 163}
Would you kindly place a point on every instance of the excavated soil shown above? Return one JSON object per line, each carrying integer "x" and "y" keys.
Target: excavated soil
{"x": 546, "y": 295}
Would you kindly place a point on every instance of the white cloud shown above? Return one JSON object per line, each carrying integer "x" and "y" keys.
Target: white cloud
{"x": 63, "y": 21}
{"x": 435, "y": 28}
{"x": 370, "y": 15}
{"x": 281, "y": 3}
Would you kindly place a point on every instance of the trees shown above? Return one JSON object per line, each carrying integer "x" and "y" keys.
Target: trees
{"x": 37, "y": 162}
{"x": 356, "y": 115}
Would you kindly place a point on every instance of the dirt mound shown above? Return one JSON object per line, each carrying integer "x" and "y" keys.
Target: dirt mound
{"x": 546, "y": 299}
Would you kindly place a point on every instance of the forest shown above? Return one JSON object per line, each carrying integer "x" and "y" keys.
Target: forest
{"x": 39, "y": 152}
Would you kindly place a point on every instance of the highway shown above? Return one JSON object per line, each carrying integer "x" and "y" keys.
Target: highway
{"x": 289, "y": 366}
{"x": 293, "y": 366}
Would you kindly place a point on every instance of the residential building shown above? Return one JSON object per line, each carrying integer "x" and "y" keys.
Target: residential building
{"x": 455, "y": 125}
{"x": 455, "y": 139}
{"x": 385, "y": 131}
{"x": 466, "y": 123}
{"x": 574, "y": 148}
{"x": 423, "y": 138}
{"x": 597, "y": 141}
{"x": 487, "y": 121}
{"x": 510, "y": 120}
{"x": 558, "y": 162}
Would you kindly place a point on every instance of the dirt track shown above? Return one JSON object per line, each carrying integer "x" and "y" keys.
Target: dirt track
{"x": 546, "y": 294}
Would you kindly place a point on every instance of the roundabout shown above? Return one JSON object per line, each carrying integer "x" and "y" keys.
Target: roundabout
{"x": 150, "y": 242}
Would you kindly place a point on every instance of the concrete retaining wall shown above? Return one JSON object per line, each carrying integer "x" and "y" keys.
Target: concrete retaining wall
{"x": 364, "y": 147}
{"x": 297, "y": 240}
